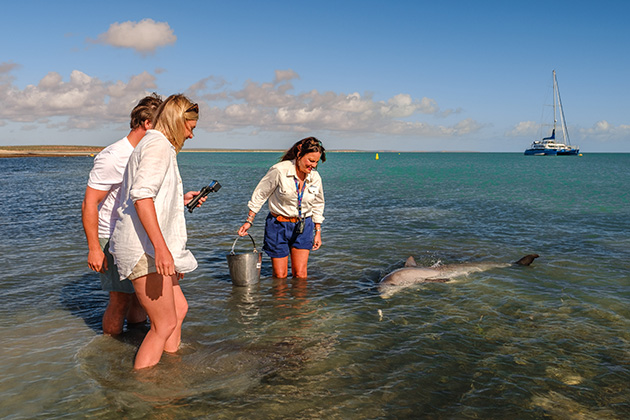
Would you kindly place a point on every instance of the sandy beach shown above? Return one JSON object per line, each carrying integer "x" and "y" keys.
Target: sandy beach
{"x": 33, "y": 151}
{"x": 64, "y": 151}
{"x": 42, "y": 151}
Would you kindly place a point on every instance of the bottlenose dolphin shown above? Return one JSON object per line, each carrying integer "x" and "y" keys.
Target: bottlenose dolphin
{"x": 411, "y": 274}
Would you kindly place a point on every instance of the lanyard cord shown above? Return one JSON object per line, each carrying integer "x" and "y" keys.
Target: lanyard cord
{"x": 300, "y": 195}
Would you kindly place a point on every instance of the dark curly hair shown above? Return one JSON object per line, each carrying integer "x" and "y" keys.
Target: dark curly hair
{"x": 303, "y": 147}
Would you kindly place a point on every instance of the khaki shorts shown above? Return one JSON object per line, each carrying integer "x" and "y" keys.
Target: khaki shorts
{"x": 145, "y": 266}
{"x": 110, "y": 280}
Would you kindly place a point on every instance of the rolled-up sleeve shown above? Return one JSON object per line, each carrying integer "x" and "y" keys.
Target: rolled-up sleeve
{"x": 264, "y": 189}
{"x": 154, "y": 161}
{"x": 318, "y": 203}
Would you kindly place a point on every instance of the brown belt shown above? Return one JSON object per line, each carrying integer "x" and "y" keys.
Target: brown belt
{"x": 281, "y": 218}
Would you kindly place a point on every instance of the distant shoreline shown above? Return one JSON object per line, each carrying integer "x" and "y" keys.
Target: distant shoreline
{"x": 48, "y": 151}
{"x": 66, "y": 151}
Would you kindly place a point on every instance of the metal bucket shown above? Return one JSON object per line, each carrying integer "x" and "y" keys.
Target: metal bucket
{"x": 244, "y": 268}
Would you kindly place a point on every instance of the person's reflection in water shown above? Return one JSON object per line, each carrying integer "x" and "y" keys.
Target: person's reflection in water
{"x": 291, "y": 297}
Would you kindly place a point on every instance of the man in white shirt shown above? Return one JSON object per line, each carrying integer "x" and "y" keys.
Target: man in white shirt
{"x": 102, "y": 199}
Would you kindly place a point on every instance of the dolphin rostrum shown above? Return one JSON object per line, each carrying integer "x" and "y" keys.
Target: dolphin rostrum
{"x": 411, "y": 274}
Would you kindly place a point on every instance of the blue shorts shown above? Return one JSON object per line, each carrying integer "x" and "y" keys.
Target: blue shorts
{"x": 110, "y": 280}
{"x": 280, "y": 237}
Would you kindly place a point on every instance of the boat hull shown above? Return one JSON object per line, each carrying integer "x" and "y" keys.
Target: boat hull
{"x": 541, "y": 152}
{"x": 552, "y": 152}
{"x": 572, "y": 152}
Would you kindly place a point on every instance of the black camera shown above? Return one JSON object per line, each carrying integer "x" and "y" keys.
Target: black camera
{"x": 214, "y": 186}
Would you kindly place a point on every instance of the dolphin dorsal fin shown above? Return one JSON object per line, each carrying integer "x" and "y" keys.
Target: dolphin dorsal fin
{"x": 410, "y": 262}
{"x": 527, "y": 259}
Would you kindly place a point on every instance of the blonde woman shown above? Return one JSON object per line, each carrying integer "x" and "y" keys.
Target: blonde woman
{"x": 149, "y": 239}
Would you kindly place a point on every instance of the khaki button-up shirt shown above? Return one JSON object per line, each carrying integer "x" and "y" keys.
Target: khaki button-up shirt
{"x": 278, "y": 186}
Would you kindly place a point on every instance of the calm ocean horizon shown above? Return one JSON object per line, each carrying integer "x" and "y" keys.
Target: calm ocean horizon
{"x": 547, "y": 341}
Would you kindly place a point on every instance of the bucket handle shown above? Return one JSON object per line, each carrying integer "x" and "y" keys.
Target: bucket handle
{"x": 237, "y": 238}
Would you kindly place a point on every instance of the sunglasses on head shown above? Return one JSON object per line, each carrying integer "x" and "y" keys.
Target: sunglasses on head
{"x": 193, "y": 108}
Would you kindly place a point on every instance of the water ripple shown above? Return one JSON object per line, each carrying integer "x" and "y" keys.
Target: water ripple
{"x": 550, "y": 340}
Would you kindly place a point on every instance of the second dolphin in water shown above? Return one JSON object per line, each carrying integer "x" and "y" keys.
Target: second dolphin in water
{"x": 411, "y": 274}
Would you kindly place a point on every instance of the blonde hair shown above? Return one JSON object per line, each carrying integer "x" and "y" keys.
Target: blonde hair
{"x": 171, "y": 117}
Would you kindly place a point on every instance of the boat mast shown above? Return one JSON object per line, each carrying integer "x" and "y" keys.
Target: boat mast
{"x": 563, "y": 123}
{"x": 555, "y": 101}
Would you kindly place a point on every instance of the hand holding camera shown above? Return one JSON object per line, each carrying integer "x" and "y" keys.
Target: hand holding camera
{"x": 214, "y": 186}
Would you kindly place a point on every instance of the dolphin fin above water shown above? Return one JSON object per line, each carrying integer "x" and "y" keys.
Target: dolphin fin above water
{"x": 412, "y": 274}
{"x": 410, "y": 262}
{"x": 527, "y": 259}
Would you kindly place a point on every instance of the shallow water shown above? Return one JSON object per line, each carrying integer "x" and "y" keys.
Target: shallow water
{"x": 547, "y": 341}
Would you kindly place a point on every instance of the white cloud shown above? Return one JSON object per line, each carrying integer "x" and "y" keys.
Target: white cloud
{"x": 143, "y": 37}
{"x": 282, "y": 75}
{"x": 604, "y": 131}
{"x": 271, "y": 106}
{"x": 402, "y": 105}
{"x": 600, "y": 131}
{"x": 524, "y": 129}
{"x": 7, "y": 67}
{"x": 83, "y": 102}
{"x": 86, "y": 102}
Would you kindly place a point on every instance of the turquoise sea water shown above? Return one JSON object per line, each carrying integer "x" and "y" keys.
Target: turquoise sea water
{"x": 547, "y": 341}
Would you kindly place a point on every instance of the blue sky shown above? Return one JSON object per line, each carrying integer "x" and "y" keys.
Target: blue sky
{"x": 368, "y": 75}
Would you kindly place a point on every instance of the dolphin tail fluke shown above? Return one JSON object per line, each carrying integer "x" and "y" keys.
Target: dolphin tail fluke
{"x": 527, "y": 259}
{"x": 410, "y": 262}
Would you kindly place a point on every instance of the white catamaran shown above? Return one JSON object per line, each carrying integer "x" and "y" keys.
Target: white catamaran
{"x": 548, "y": 146}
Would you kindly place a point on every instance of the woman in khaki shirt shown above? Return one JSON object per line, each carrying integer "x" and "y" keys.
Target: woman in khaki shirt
{"x": 296, "y": 208}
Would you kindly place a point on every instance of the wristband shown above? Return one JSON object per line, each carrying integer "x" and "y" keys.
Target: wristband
{"x": 318, "y": 229}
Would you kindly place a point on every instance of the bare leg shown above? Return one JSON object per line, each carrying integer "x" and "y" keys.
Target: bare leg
{"x": 155, "y": 293}
{"x": 136, "y": 313}
{"x": 299, "y": 262}
{"x": 280, "y": 267}
{"x": 114, "y": 316}
{"x": 181, "y": 307}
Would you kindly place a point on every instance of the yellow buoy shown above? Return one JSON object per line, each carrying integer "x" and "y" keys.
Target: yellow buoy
{"x": 377, "y": 156}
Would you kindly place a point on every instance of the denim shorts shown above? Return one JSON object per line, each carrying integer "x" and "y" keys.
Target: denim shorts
{"x": 280, "y": 237}
{"x": 110, "y": 279}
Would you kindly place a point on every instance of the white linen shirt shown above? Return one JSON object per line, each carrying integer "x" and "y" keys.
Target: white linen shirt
{"x": 107, "y": 175}
{"x": 152, "y": 172}
{"x": 278, "y": 186}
